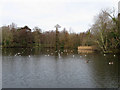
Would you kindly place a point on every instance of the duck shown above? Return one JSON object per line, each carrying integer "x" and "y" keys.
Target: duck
{"x": 51, "y": 53}
{"x": 110, "y": 62}
{"x": 59, "y": 55}
{"x": 104, "y": 54}
{"x": 29, "y": 56}
{"x": 66, "y": 50}
{"x": 73, "y": 56}
{"x": 18, "y": 53}
{"x": 87, "y": 61}
{"x": 71, "y": 50}
{"x": 55, "y": 51}
{"x": 80, "y": 56}
{"x": 15, "y": 55}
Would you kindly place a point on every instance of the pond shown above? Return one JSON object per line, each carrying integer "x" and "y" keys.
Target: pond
{"x": 43, "y": 68}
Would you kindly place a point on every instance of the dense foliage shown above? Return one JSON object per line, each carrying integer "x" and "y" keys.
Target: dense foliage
{"x": 25, "y": 37}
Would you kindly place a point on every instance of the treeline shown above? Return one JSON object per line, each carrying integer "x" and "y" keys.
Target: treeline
{"x": 103, "y": 34}
{"x": 25, "y": 37}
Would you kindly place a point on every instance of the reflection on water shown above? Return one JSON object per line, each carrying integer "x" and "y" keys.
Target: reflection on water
{"x": 85, "y": 51}
{"x": 37, "y": 68}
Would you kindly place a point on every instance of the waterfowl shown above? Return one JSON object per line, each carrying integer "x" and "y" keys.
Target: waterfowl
{"x": 59, "y": 55}
{"x": 87, "y": 61}
{"x": 66, "y": 50}
{"x": 73, "y": 56}
{"x": 104, "y": 54}
{"x": 55, "y": 51}
{"x": 110, "y": 62}
{"x": 18, "y": 53}
{"x": 29, "y": 56}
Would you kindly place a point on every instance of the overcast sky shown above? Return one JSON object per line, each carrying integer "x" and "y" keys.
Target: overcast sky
{"x": 75, "y": 15}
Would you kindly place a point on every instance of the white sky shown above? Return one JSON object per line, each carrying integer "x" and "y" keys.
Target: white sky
{"x": 75, "y": 14}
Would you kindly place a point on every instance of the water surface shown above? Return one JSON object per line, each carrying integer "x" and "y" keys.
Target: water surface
{"x": 36, "y": 68}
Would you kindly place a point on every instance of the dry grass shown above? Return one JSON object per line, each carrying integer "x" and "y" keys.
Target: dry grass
{"x": 86, "y": 48}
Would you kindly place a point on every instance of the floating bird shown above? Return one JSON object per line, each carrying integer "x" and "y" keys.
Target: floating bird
{"x": 61, "y": 52}
{"x": 85, "y": 55}
{"x": 110, "y": 62}
{"x": 80, "y": 56}
{"x": 48, "y": 55}
{"x": 29, "y": 56}
{"x": 67, "y": 53}
{"x": 18, "y": 53}
{"x": 104, "y": 54}
{"x": 73, "y": 56}
{"x": 51, "y": 53}
{"x": 59, "y": 55}
{"x": 87, "y": 61}
{"x": 66, "y": 50}
{"x": 45, "y": 55}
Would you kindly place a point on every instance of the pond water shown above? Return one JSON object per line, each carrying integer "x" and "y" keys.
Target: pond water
{"x": 37, "y": 68}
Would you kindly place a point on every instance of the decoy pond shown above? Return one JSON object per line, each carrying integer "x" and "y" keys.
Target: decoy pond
{"x": 37, "y": 68}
